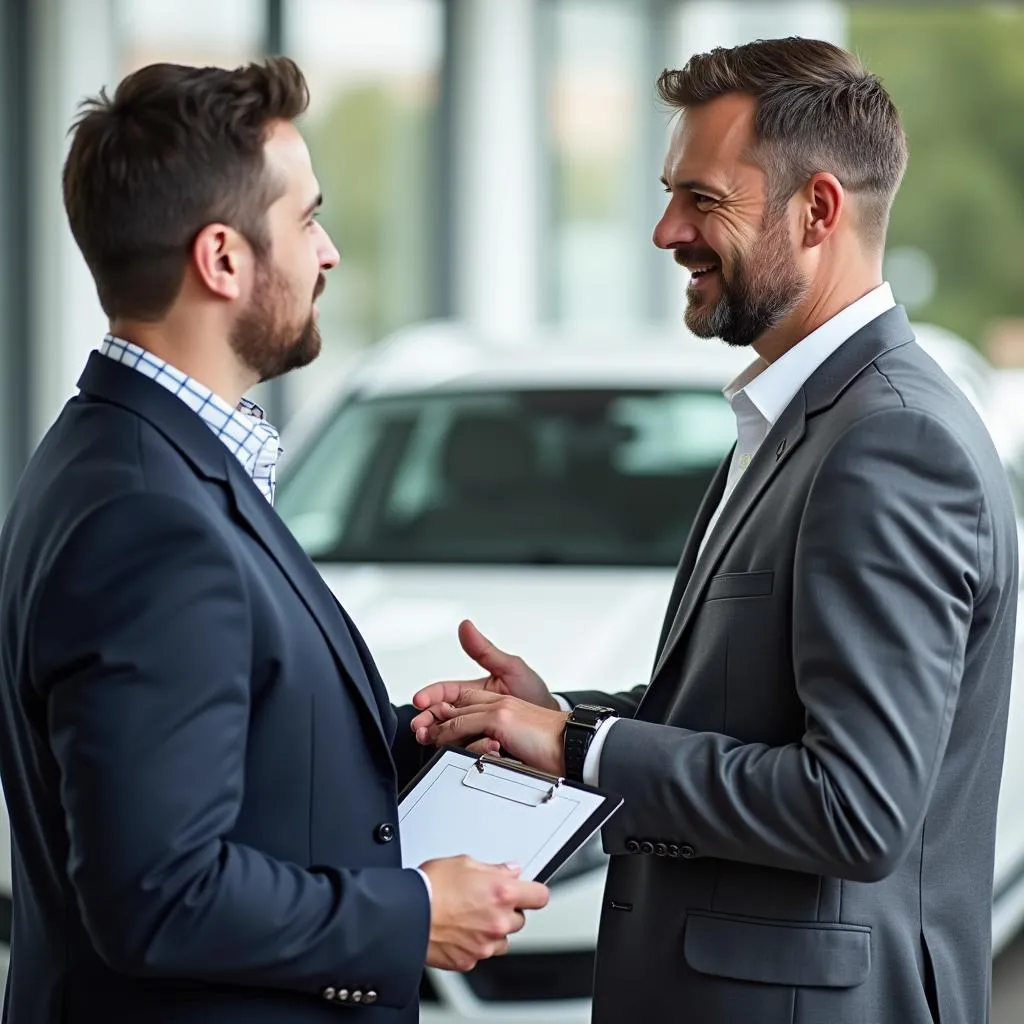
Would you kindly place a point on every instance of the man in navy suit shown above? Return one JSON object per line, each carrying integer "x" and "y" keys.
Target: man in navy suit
{"x": 200, "y": 760}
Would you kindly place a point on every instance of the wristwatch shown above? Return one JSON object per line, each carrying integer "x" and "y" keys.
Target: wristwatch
{"x": 580, "y": 730}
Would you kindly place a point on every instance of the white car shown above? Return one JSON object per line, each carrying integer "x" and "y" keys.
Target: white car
{"x": 544, "y": 490}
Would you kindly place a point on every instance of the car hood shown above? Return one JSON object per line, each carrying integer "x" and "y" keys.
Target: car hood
{"x": 579, "y": 628}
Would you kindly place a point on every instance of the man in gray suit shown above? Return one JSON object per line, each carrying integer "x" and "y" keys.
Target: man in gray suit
{"x": 811, "y": 774}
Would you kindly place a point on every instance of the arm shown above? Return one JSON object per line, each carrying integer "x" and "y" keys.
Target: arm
{"x": 141, "y": 646}
{"x": 885, "y": 578}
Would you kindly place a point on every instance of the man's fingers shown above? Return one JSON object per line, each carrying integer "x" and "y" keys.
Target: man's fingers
{"x": 423, "y": 720}
{"x": 531, "y": 895}
{"x": 449, "y": 690}
{"x": 475, "y": 724}
{"x": 476, "y": 716}
{"x": 484, "y": 746}
{"x": 443, "y": 711}
{"x": 518, "y": 920}
{"x": 439, "y": 712}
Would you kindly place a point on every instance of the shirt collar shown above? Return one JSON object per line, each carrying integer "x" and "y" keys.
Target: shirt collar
{"x": 243, "y": 430}
{"x": 770, "y": 387}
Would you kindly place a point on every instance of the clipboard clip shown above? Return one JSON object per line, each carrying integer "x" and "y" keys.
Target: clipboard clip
{"x": 523, "y": 769}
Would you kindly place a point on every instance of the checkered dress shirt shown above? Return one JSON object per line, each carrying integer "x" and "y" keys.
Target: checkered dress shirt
{"x": 244, "y": 431}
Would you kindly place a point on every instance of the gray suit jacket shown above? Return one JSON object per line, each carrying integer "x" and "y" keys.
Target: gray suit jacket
{"x": 811, "y": 776}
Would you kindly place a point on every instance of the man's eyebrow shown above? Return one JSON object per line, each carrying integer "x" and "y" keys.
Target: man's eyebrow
{"x": 692, "y": 185}
{"x": 313, "y": 207}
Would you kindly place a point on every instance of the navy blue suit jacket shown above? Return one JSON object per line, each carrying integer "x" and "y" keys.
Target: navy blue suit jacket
{"x": 197, "y": 751}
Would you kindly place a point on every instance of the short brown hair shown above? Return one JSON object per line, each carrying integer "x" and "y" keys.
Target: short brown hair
{"x": 818, "y": 109}
{"x": 176, "y": 148}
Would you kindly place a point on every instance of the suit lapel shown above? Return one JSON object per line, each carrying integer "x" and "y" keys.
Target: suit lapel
{"x": 886, "y": 332}
{"x": 684, "y": 571}
{"x": 294, "y": 563}
{"x": 782, "y": 439}
{"x": 121, "y": 385}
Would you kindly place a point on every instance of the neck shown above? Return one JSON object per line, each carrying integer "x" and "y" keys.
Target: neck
{"x": 202, "y": 355}
{"x": 823, "y": 301}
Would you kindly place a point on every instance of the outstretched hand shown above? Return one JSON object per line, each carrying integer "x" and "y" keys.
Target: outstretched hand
{"x": 507, "y": 676}
{"x": 528, "y": 733}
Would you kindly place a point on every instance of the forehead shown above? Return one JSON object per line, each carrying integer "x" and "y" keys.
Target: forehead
{"x": 711, "y": 138}
{"x": 287, "y": 157}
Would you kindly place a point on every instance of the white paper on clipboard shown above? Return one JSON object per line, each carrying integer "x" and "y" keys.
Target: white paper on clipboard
{"x": 497, "y": 811}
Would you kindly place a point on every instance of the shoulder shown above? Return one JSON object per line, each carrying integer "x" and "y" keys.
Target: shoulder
{"x": 904, "y": 409}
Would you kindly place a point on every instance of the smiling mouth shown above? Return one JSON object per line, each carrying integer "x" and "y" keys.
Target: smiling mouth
{"x": 696, "y": 273}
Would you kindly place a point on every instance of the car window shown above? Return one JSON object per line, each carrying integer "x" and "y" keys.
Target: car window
{"x": 580, "y": 477}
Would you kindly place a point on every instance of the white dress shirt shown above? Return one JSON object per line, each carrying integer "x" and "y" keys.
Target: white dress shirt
{"x": 758, "y": 397}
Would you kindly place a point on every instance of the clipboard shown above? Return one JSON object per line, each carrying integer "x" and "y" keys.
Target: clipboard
{"x": 497, "y": 810}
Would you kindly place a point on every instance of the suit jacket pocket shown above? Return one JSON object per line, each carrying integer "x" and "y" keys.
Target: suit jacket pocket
{"x": 740, "y": 584}
{"x": 778, "y": 952}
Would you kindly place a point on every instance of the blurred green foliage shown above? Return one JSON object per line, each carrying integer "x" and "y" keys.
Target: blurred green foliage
{"x": 373, "y": 149}
{"x": 956, "y": 73}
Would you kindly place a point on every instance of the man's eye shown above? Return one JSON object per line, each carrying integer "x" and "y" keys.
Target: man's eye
{"x": 703, "y": 201}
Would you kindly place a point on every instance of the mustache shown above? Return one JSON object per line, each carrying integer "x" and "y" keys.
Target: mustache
{"x": 694, "y": 254}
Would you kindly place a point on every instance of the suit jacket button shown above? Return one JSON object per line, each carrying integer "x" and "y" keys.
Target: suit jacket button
{"x": 328, "y": 993}
{"x": 673, "y": 850}
{"x": 369, "y": 997}
{"x": 357, "y": 996}
{"x": 687, "y": 851}
{"x": 632, "y": 846}
{"x": 384, "y": 833}
{"x": 646, "y": 847}
{"x": 660, "y": 849}
{"x": 342, "y": 995}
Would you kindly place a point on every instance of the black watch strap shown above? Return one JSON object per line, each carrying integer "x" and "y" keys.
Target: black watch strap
{"x": 580, "y": 730}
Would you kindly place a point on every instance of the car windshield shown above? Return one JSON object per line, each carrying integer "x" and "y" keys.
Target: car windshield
{"x": 609, "y": 477}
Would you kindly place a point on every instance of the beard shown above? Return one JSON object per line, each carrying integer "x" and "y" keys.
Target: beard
{"x": 764, "y": 287}
{"x": 268, "y": 345}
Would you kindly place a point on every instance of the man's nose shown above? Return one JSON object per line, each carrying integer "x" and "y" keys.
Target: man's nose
{"x": 674, "y": 230}
{"x": 329, "y": 255}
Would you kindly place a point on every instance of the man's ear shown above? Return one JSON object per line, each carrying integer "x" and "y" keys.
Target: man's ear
{"x": 824, "y": 202}
{"x": 219, "y": 256}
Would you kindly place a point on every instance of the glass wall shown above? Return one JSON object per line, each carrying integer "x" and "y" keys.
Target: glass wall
{"x": 600, "y": 93}
{"x": 226, "y": 33}
{"x": 607, "y": 136}
{"x": 958, "y": 223}
{"x": 385, "y": 141}
{"x": 375, "y": 73}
